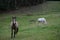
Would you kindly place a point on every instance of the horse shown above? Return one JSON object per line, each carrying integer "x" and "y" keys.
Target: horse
{"x": 14, "y": 27}
{"x": 42, "y": 20}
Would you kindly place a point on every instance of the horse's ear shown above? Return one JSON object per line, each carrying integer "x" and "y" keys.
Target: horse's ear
{"x": 13, "y": 17}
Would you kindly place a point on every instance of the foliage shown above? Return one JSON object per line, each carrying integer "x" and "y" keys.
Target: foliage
{"x": 13, "y": 4}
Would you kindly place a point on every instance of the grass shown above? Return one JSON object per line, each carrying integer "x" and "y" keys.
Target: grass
{"x": 32, "y": 30}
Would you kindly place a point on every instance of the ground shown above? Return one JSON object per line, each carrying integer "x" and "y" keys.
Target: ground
{"x": 31, "y": 30}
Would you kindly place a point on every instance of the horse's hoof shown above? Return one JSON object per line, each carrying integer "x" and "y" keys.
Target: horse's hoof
{"x": 14, "y": 36}
{"x": 11, "y": 37}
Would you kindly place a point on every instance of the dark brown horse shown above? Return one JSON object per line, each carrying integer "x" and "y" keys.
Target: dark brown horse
{"x": 14, "y": 27}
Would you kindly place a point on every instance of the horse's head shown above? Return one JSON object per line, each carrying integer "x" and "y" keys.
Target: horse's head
{"x": 14, "y": 19}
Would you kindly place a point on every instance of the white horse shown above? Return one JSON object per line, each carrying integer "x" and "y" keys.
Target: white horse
{"x": 42, "y": 20}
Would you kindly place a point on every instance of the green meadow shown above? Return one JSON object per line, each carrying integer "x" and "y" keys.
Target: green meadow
{"x": 32, "y": 30}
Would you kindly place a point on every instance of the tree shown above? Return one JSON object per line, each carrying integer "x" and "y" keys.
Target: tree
{"x": 14, "y": 4}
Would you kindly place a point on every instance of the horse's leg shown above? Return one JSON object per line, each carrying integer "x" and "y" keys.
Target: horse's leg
{"x": 15, "y": 31}
{"x": 11, "y": 33}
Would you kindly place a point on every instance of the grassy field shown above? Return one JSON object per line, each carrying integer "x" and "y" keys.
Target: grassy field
{"x": 32, "y": 30}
